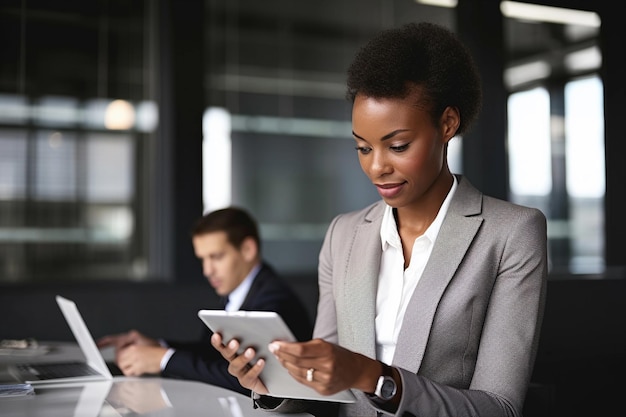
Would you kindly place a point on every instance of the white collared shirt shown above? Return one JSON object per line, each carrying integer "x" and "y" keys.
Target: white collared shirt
{"x": 396, "y": 284}
{"x": 238, "y": 295}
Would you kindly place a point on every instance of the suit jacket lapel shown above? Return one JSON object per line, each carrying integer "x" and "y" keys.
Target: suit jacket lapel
{"x": 254, "y": 288}
{"x": 455, "y": 236}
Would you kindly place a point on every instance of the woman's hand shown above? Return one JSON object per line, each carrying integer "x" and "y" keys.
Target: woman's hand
{"x": 330, "y": 368}
{"x": 239, "y": 365}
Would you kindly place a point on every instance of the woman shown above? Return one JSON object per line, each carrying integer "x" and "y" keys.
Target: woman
{"x": 431, "y": 299}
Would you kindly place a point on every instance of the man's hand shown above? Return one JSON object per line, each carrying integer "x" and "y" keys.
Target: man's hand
{"x": 136, "y": 360}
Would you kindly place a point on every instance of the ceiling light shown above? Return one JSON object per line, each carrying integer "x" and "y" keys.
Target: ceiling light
{"x": 525, "y": 73}
{"x": 538, "y": 13}
{"x": 584, "y": 60}
{"x": 119, "y": 115}
{"x": 439, "y": 3}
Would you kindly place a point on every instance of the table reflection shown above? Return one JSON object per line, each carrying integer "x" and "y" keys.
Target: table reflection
{"x": 138, "y": 397}
{"x": 123, "y": 396}
{"x": 169, "y": 397}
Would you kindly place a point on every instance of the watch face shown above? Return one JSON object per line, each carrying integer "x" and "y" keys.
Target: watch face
{"x": 388, "y": 389}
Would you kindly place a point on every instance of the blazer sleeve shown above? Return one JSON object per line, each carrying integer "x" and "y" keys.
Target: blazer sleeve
{"x": 326, "y": 319}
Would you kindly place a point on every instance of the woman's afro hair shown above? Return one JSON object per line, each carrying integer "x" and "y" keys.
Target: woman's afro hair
{"x": 423, "y": 55}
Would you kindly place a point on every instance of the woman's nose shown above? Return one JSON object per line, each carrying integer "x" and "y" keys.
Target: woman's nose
{"x": 379, "y": 165}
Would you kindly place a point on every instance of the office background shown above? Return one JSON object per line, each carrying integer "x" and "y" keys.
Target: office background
{"x": 122, "y": 121}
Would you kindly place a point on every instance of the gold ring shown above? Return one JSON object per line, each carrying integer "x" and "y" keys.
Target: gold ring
{"x": 309, "y": 374}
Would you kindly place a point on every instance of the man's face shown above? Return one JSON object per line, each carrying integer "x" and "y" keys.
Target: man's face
{"x": 224, "y": 265}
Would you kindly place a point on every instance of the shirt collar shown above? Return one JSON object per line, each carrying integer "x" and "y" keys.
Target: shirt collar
{"x": 389, "y": 230}
{"x": 238, "y": 295}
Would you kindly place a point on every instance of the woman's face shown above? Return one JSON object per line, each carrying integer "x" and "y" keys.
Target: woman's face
{"x": 400, "y": 149}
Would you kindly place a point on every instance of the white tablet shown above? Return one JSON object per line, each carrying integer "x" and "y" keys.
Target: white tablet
{"x": 258, "y": 329}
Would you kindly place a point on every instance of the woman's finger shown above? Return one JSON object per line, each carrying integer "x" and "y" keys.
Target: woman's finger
{"x": 228, "y": 351}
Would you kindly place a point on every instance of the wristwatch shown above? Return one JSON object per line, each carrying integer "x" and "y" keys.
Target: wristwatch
{"x": 386, "y": 387}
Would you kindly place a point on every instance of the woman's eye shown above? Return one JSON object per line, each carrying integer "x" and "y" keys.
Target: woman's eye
{"x": 363, "y": 150}
{"x": 399, "y": 148}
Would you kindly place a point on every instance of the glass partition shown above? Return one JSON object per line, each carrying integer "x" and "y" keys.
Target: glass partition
{"x": 556, "y": 128}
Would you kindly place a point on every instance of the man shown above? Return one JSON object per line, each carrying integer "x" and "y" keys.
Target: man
{"x": 228, "y": 244}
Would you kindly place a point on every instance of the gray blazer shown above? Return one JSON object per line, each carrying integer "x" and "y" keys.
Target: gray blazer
{"x": 469, "y": 336}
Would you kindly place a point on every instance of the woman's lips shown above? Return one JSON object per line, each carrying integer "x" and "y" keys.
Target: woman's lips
{"x": 389, "y": 190}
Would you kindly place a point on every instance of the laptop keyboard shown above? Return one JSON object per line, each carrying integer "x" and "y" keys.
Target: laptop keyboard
{"x": 59, "y": 370}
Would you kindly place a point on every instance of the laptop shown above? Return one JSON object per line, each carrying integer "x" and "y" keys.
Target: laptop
{"x": 94, "y": 368}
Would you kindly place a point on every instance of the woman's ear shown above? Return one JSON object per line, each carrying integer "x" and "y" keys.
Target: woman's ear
{"x": 450, "y": 121}
{"x": 249, "y": 249}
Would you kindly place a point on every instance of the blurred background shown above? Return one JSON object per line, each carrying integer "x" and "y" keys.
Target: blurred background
{"x": 121, "y": 122}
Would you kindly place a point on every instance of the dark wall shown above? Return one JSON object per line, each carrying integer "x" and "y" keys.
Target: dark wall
{"x": 156, "y": 309}
{"x": 581, "y": 360}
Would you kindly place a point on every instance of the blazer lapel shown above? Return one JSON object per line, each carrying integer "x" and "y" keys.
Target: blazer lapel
{"x": 455, "y": 236}
{"x": 261, "y": 276}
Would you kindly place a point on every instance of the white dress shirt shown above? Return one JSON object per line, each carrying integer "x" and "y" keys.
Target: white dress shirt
{"x": 396, "y": 284}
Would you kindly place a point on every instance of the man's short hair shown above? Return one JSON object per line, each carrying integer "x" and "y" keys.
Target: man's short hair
{"x": 236, "y": 222}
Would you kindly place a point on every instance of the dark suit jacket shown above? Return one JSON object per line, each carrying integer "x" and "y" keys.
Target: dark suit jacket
{"x": 199, "y": 361}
